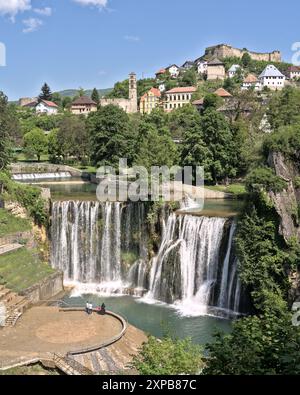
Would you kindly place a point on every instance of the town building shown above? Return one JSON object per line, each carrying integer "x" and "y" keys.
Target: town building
{"x": 199, "y": 104}
{"x": 233, "y": 70}
{"x": 23, "y": 101}
{"x": 178, "y": 97}
{"x": 129, "y": 105}
{"x": 84, "y": 105}
{"x": 160, "y": 73}
{"x": 294, "y": 72}
{"x": 149, "y": 101}
{"x": 173, "y": 70}
{"x": 251, "y": 82}
{"x": 188, "y": 65}
{"x": 43, "y": 107}
{"x": 221, "y": 92}
{"x": 215, "y": 70}
{"x": 272, "y": 78}
{"x": 201, "y": 66}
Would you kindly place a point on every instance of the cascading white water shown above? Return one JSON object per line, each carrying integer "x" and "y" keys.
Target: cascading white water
{"x": 87, "y": 244}
{"x": 186, "y": 270}
{"x": 103, "y": 248}
{"x": 41, "y": 176}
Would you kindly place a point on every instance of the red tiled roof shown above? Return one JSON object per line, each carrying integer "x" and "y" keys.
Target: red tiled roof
{"x": 188, "y": 89}
{"x": 50, "y": 103}
{"x": 156, "y": 92}
{"x": 161, "y": 71}
{"x": 31, "y": 104}
{"x": 222, "y": 93}
{"x": 294, "y": 68}
{"x": 198, "y": 102}
{"x": 250, "y": 79}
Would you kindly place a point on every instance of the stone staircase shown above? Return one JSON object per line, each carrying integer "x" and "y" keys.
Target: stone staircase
{"x": 6, "y": 248}
{"x": 112, "y": 359}
{"x": 70, "y": 366}
{"x": 14, "y": 304}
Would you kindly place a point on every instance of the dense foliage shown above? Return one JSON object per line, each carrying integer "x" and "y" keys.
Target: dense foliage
{"x": 168, "y": 357}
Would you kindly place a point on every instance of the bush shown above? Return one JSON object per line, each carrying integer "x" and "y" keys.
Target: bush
{"x": 264, "y": 178}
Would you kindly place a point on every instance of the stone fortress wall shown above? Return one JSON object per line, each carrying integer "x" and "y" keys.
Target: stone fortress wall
{"x": 224, "y": 51}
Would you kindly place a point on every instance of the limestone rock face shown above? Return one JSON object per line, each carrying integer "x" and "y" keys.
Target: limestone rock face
{"x": 286, "y": 202}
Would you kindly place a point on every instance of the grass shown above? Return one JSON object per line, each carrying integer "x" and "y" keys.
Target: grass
{"x": 86, "y": 169}
{"x": 30, "y": 370}
{"x": 21, "y": 269}
{"x": 10, "y": 224}
{"x": 235, "y": 189}
{"x": 23, "y": 158}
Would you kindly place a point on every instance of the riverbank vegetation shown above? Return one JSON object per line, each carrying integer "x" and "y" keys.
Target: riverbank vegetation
{"x": 23, "y": 268}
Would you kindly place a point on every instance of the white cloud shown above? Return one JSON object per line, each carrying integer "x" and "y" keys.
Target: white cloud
{"x": 31, "y": 25}
{"x": 13, "y": 7}
{"x": 46, "y": 11}
{"x": 132, "y": 38}
{"x": 93, "y": 3}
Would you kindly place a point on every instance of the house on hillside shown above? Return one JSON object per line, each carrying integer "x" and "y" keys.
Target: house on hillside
{"x": 215, "y": 70}
{"x": 149, "y": 101}
{"x": 294, "y": 72}
{"x": 43, "y": 107}
{"x": 272, "y": 78}
{"x": 188, "y": 65}
{"x": 251, "y": 82}
{"x": 173, "y": 70}
{"x": 201, "y": 66}
{"x": 83, "y": 105}
{"x": 178, "y": 97}
{"x": 160, "y": 73}
{"x": 221, "y": 92}
{"x": 233, "y": 70}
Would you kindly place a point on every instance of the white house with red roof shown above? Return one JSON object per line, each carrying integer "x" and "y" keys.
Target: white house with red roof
{"x": 43, "y": 107}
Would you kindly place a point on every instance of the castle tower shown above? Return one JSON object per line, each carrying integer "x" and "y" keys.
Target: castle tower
{"x": 133, "y": 93}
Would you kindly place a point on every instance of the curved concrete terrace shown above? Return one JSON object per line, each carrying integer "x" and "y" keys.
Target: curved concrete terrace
{"x": 44, "y": 331}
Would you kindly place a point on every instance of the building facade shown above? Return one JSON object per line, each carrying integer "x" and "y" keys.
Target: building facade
{"x": 149, "y": 101}
{"x": 130, "y": 105}
{"x": 84, "y": 105}
{"x": 251, "y": 82}
{"x": 174, "y": 70}
{"x": 43, "y": 107}
{"x": 178, "y": 97}
{"x": 272, "y": 78}
{"x": 294, "y": 72}
{"x": 215, "y": 70}
{"x": 233, "y": 70}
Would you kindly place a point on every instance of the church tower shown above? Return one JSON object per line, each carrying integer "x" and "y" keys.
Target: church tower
{"x": 133, "y": 93}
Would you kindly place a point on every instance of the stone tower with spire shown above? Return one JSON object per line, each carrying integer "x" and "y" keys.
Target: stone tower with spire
{"x": 133, "y": 93}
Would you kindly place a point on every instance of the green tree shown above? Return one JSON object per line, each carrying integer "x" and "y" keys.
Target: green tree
{"x": 73, "y": 138}
{"x": 260, "y": 345}
{"x": 168, "y": 357}
{"x": 212, "y": 101}
{"x": 154, "y": 147}
{"x": 55, "y": 150}
{"x": 35, "y": 143}
{"x": 189, "y": 78}
{"x": 46, "y": 93}
{"x": 246, "y": 60}
{"x": 95, "y": 96}
{"x": 284, "y": 108}
{"x": 111, "y": 137}
{"x": 5, "y": 124}
{"x": 221, "y": 155}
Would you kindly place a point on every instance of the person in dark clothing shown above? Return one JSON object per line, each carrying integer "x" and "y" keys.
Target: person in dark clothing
{"x": 103, "y": 309}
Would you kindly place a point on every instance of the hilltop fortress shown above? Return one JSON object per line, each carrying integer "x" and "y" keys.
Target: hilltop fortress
{"x": 222, "y": 51}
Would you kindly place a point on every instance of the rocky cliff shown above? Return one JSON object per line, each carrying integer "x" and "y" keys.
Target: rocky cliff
{"x": 286, "y": 202}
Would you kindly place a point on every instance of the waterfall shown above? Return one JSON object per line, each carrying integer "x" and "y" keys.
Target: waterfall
{"x": 41, "y": 176}
{"x": 87, "y": 244}
{"x": 186, "y": 271}
{"x": 103, "y": 248}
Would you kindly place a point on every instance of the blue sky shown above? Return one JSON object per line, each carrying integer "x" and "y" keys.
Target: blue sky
{"x": 94, "y": 43}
